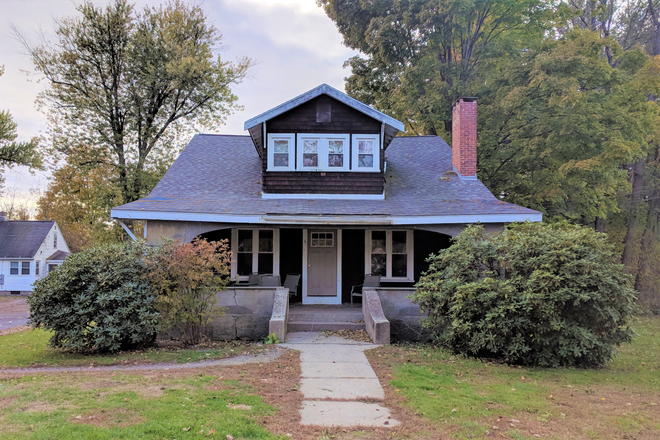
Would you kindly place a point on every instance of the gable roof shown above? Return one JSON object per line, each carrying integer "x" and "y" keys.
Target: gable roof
{"x": 58, "y": 256}
{"x": 22, "y": 239}
{"x": 324, "y": 89}
{"x": 217, "y": 178}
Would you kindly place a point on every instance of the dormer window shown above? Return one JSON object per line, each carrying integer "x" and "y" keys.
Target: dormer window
{"x": 366, "y": 152}
{"x": 281, "y": 152}
{"x": 323, "y": 152}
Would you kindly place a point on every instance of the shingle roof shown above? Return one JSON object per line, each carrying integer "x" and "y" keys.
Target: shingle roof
{"x": 58, "y": 256}
{"x": 221, "y": 174}
{"x": 21, "y": 239}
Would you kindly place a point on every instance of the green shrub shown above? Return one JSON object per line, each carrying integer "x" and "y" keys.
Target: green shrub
{"x": 97, "y": 300}
{"x": 536, "y": 294}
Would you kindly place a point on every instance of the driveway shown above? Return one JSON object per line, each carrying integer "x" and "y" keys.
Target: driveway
{"x": 13, "y": 312}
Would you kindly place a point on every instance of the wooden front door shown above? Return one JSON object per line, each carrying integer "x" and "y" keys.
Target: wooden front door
{"x": 322, "y": 264}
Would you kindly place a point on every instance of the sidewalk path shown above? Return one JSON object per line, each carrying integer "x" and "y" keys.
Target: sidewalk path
{"x": 14, "y": 312}
{"x": 336, "y": 376}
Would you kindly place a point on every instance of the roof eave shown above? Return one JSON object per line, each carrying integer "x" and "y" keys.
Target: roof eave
{"x": 332, "y": 92}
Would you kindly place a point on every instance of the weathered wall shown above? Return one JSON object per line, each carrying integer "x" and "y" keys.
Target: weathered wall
{"x": 404, "y": 316}
{"x": 247, "y": 313}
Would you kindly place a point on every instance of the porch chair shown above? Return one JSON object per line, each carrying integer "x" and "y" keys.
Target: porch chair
{"x": 369, "y": 281}
{"x": 269, "y": 280}
{"x": 254, "y": 279}
{"x": 291, "y": 282}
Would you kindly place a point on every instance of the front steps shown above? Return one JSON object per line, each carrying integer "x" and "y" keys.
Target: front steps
{"x": 317, "y": 318}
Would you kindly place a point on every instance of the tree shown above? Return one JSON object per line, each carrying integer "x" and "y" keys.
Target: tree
{"x": 133, "y": 84}
{"x": 15, "y": 153}
{"x": 186, "y": 277}
{"x": 545, "y": 295}
{"x": 97, "y": 300}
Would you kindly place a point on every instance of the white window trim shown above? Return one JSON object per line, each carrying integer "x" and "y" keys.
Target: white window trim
{"x": 255, "y": 252}
{"x": 270, "y": 151}
{"x": 20, "y": 268}
{"x": 324, "y": 139}
{"x": 388, "y": 249}
{"x": 355, "y": 151}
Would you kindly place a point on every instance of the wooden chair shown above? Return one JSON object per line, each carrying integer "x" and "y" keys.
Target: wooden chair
{"x": 369, "y": 281}
{"x": 291, "y": 282}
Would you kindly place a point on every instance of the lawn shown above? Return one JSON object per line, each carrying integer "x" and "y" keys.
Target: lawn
{"x": 472, "y": 399}
{"x": 129, "y": 407}
{"x": 30, "y": 348}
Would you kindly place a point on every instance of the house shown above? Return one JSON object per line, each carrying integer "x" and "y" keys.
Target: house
{"x": 323, "y": 186}
{"x": 28, "y": 251}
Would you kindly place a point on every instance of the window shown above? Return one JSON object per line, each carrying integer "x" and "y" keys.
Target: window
{"x": 281, "y": 149}
{"x": 25, "y": 268}
{"x": 255, "y": 251}
{"x": 323, "y": 239}
{"x": 366, "y": 152}
{"x": 52, "y": 267}
{"x": 390, "y": 254}
{"x": 323, "y": 152}
{"x": 55, "y": 240}
{"x": 13, "y": 268}
{"x": 36, "y": 268}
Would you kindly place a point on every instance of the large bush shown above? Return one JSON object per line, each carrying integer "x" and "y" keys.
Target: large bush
{"x": 97, "y": 300}
{"x": 186, "y": 277}
{"x": 536, "y": 294}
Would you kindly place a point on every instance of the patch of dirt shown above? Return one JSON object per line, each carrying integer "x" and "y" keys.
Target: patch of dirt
{"x": 40, "y": 407}
{"x": 108, "y": 418}
{"x": 239, "y": 406}
{"x": 98, "y": 384}
{"x": 357, "y": 335}
{"x": 12, "y": 330}
{"x": 13, "y": 304}
{"x": 7, "y": 401}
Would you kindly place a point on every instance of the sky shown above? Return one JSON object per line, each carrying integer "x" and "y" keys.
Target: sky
{"x": 296, "y": 47}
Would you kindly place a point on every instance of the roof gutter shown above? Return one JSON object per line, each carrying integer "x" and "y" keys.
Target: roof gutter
{"x": 325, "y": 219}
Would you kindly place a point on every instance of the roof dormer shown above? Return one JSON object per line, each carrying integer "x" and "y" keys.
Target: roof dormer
{"x": 322, "y": 142}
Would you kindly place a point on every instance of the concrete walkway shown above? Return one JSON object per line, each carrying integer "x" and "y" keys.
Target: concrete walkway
{"x": 336, "y": 376}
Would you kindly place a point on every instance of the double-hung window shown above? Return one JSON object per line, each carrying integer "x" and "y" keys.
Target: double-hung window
{"x": 323, "y": 152}
{"x": 366, "y": 152}
{"x": 390, "y": 254}
{"x": 23, "y": 266}
{"x": 256, "y": 251}
{"x": 281, "y": 152}
{"x": 13, "y": 268}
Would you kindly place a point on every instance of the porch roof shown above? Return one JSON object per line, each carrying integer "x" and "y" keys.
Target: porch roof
{"x": 218, "y": 178}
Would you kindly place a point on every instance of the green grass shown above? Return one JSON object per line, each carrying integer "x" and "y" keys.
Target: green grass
{"x": 128, "y": 407}
{"x": 466, "y": 394}
{"x": 30, "y": 348}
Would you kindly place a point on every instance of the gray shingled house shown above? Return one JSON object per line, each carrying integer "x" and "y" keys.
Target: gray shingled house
{"x": 323, "y": 187}
{"x": 28, "y": 251}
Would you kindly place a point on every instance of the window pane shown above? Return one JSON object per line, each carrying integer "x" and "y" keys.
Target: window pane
{"x": 310, "y": 146}
{"x": 25, "y": 268}
{"x": 336, "y": 160}
{"x": 281, "y": 147}
{"x": 13, "y": 269}
{"x": 265, "y": 241}
{"x": 399, "y": 265}
{"x": 399, "y": 242}
{"x": 365, "y": 160}
{"x": 366, "y": 147}
{"x": 336, "y": 147}
{"x": 378, "y": 242}
{"x": 265, "y": 263}
{"x": 310, "y": 160}
{"x": 244, "y": 241}
{"x": 281, "y": 160}
{"x": 378, "y": 264}
{"x": 244, "y": 264}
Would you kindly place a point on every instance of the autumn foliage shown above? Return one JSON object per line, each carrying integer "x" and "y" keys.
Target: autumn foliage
{"x": 186, "y": 277}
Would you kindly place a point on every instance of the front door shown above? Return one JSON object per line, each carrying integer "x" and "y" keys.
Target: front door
{"x": 322, "y": 267}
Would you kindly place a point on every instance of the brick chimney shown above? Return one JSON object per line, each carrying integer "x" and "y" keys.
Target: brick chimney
{"x": 464, "y": 138}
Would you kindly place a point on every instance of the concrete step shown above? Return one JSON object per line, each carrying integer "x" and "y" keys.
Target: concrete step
{"x": 326, "y": 317}
{"x": 316, "y": 326}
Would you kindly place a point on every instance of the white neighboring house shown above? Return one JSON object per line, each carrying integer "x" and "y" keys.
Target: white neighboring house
{"x": 28, "y": 251}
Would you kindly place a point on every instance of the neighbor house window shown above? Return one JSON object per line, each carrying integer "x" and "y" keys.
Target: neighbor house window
{"x": 36, "y": 268}
{"x": 13, "y": 268}
{"x": 390, "y": 254}
{"x": 55, "y": 240}
{"x": 255, "y": 251}
{"x": 25, "y": 268}
{"x": 281, "y": 152}
{"x": 366, "y": 152}
{"x": 323, "y": 152}
{"x": 52, "y": 267}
